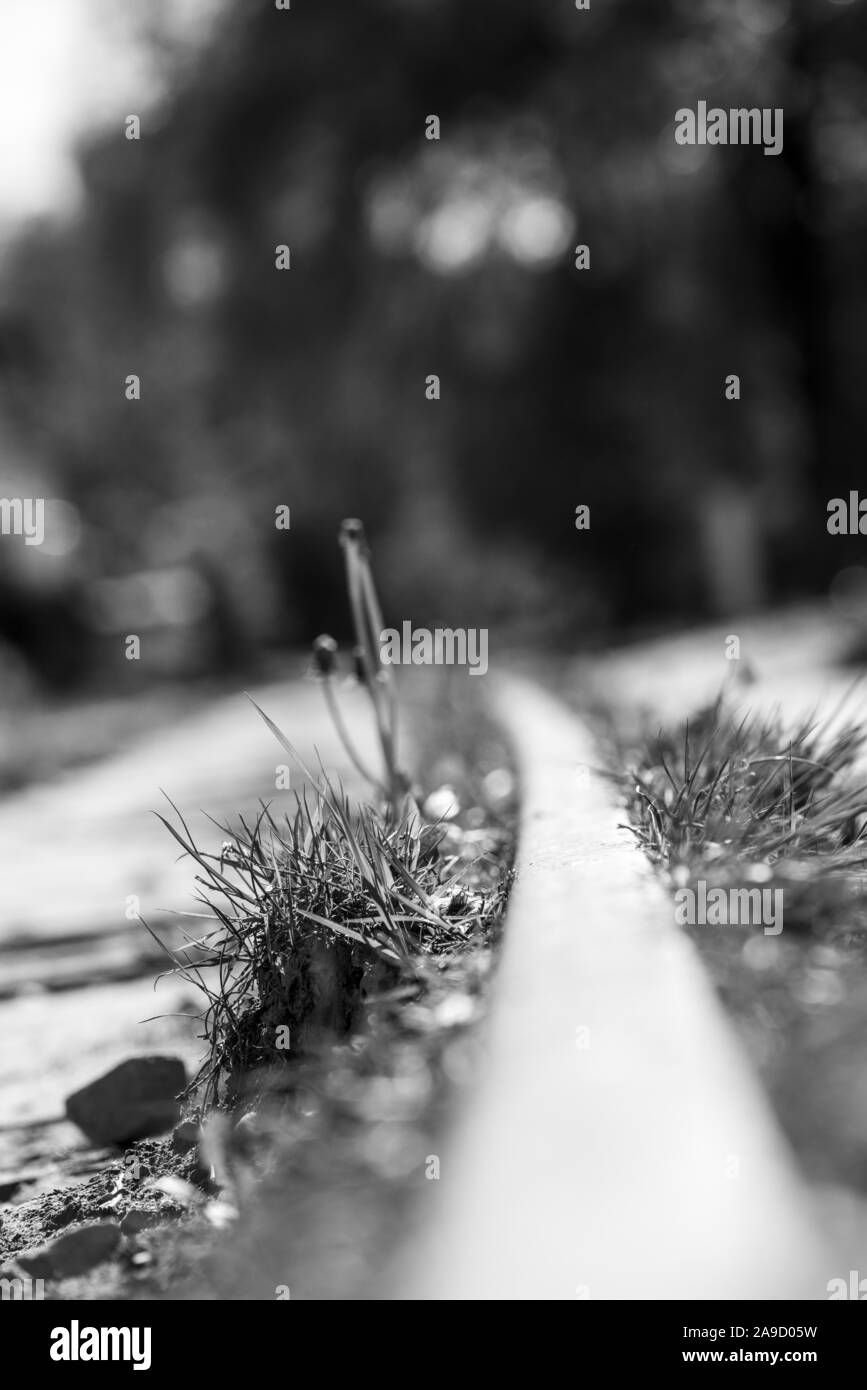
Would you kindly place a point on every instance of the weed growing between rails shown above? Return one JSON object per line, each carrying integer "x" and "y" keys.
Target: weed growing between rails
{"x": 392, "y": 784}
{"x": 747, "y": 802}
{"x": 744, "y": 803}
{"x": 318, "y": 913}
{"x": 322, "y": 911}
{"x": 345, "y": 971}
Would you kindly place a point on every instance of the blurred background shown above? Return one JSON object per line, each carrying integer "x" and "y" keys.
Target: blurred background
{"x": 409, "y": 257}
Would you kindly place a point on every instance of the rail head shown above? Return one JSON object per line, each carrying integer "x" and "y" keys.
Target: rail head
{"x": 618, "y": 1145}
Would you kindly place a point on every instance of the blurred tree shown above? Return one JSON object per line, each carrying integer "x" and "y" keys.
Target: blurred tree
{"x": 559, "y": 386}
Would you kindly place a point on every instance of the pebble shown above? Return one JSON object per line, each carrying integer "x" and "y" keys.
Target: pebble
{"x": 185, "y": 1136}
{"x": 75, "y": 1252}
{"x": 139, "y": 1219}
{"x": 133, "y": 1100}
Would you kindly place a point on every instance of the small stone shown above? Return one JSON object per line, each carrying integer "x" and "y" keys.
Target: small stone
{"x": 9, "y": 1184}
{"x": 499, "y": 785}
{"x": 139, "y": 1219}
{"x": 133, "y": 1100}
{"x": 185, "y": 1136}
{"x": 221, "y": 1214}
{"x": 177, "y": 1190}
{"x": 442, "y": 804}
{"x": 455, "y": 1009}
{"x": 72, "y": 1253}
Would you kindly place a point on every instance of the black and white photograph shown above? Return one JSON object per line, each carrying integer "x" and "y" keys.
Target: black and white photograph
{"x": 433, "y": 640}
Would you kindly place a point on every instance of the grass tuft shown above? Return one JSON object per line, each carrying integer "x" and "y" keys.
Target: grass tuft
{"x": 319, "y": 911}
{"x": 748, "y": 801}
{"x": 313, "y": 914}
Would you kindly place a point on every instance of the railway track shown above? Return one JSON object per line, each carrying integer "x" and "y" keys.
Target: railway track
{"x": 618, "y": 1145}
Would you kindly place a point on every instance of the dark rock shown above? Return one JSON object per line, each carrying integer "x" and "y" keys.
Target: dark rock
{"x": 133, "y": 1100}
{"x": 140, "y": 1219}
{"x": 72, "y": 1253}
{"x": 185, "y": 1136}
{"x": 9, "y": 1185}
